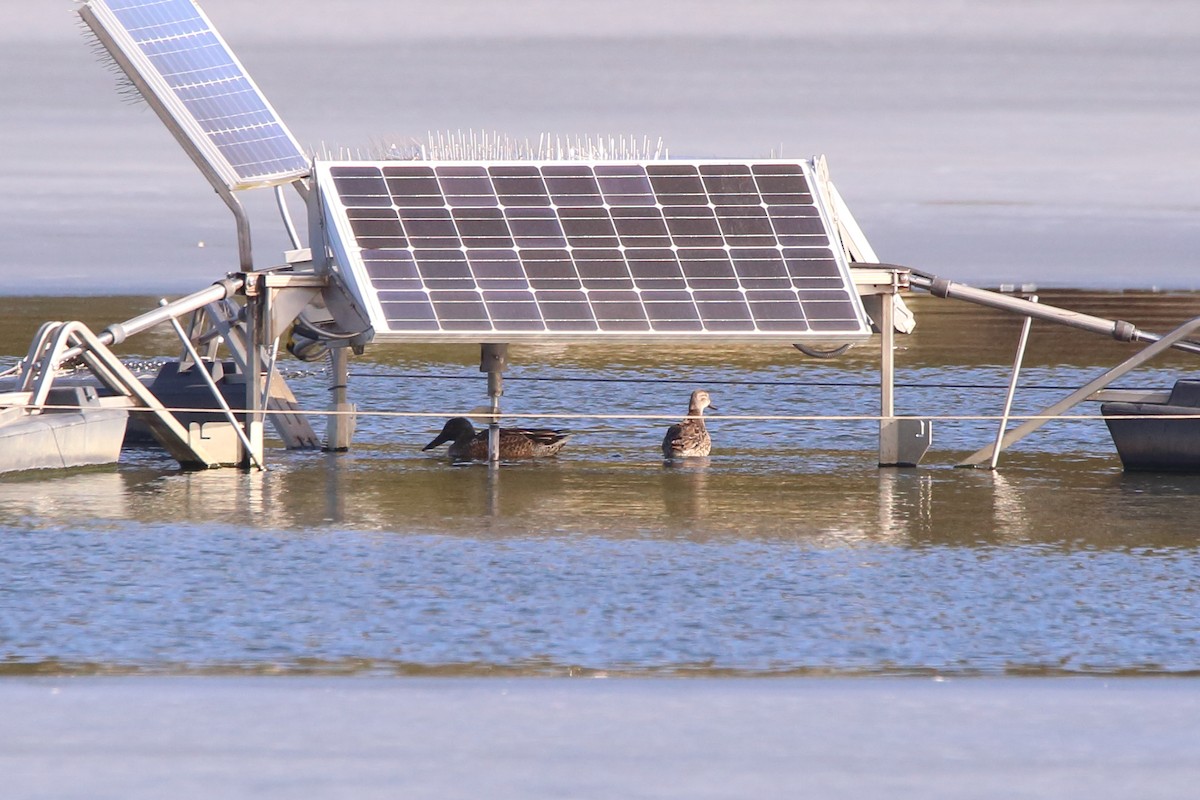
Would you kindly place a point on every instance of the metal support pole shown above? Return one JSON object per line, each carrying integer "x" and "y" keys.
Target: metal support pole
{"x": 339, "y": 429}
{"x": 495, "y": 389}
{"x": 1012, "y": 384}
{"x": 493, "y": 358}
{"x": 255, "y": 316}
{"x": 887, "y": 377}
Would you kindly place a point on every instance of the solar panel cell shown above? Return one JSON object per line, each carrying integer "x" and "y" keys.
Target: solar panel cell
{"x": 588, "y": 227}
{"x": 535, "y": 227}
{"x": 730, "y": 185}
{"x": 413, "y": 307}
{"x": 497, "y": 269}
{"x": 519, "y": 186}
{"x": 798, "y": 226}
{"x": 760, "y": 268}
{"x": 430, "y": 227}
{"x": 550, "y": 269}
{"x": 444, "y": 269}
{"x": 465, "y": 187}
{"x": 677, "y": 185}
{"x": 693, "y": 226}
{"x": 514, "y": 310}
{"x": 395, "y": 267}
{"x": 746, "y": 226}
{"x": 724, "y": 311}
{"x": 625, "y": 185}
{"x": 708, "y": 268}
{"x": 638, "y": 226}
{"x": 619, "y": 311}
{"x": 572, "y": 186}
{"x": 672, "y": 311}
{"x": 776, "y": 310}
{"x": 566, "y": 311}
{"x": 459, "y": 310}
{"x": 654, "y": 268}
{"x": 602, "y": 269}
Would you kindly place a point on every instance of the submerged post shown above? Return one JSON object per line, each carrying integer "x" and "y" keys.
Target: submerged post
{"x": 493, "y": 358}
{"x": 339, "y": 429}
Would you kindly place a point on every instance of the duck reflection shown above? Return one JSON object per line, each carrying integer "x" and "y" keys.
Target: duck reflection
{"x": 685, "y": 488}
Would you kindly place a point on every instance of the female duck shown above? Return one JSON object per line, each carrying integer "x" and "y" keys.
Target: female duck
{"x": 468, "y": 445}
{"x": 690, "y": 438}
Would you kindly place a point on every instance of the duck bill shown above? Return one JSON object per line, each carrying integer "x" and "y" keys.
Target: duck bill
{"x": 441, "y": 439}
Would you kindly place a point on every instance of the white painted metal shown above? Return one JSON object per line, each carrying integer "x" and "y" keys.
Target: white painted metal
{"x": 75, "y": 337}
{"x": 1012, "y": 384}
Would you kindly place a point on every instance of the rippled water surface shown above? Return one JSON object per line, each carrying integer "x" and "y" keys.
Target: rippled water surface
{"x": 787, "y": 552}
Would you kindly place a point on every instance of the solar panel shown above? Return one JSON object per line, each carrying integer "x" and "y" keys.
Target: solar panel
{"x": 528, "y": 250}
{"x": 184, "y": 69}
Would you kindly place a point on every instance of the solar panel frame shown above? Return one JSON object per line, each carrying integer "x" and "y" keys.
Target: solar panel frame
{"x": 199, "y": 88}
{"x": 575, "y": 250}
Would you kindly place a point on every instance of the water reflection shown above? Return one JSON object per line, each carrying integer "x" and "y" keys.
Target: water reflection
{"x": 833, "y": 498}
{"x": 1009, "y": 511}
{"x": 905, "y": 497}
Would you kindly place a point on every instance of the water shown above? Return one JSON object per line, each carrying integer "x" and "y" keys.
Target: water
{"x": 788, "y": 552}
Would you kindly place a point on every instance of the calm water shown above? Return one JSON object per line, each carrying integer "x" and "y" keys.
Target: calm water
{"x": 787, "y": 552}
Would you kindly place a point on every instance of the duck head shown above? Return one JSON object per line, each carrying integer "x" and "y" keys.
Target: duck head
{"x": 455, "y": 429}
{"x": 699, "y": 402}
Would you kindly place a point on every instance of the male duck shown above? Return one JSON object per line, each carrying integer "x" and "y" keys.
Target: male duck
{"x": 690, "y": 437}
{"x": 467, "y": 444}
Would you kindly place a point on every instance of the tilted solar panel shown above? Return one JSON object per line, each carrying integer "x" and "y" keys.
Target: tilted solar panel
{"x": 519, "y": 250}
{"x": 186, "y": 71}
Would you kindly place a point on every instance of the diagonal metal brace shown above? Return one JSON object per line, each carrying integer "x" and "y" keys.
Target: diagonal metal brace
{"x": 1079, "y": 395}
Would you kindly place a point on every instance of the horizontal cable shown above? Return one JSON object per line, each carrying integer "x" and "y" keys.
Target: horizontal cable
{"x": 732, "y": 382}
{"x": 482, "y": 415}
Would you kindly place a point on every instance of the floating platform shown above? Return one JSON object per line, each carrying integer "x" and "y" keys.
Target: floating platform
{"x": 188, "y": 390}
{"x": 1158, "y": 443}
{"x": 81, "y": 432}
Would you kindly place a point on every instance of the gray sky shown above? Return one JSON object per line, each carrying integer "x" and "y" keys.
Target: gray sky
{"x": 393, "y": 20}
{"x": 989, "y": 140}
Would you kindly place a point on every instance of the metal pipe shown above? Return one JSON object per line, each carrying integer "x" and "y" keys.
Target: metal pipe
{"x": 495, "y": 389}
{"x": 1117, "y": 329}
{"x": 287, "y": 218}
{"x": 493, "y": 358}
{"x": 245, "y": 251}
{"x": 253, "y": 369}
{"x": 1012, "y": 384}
{"x": 119, "y": 332}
